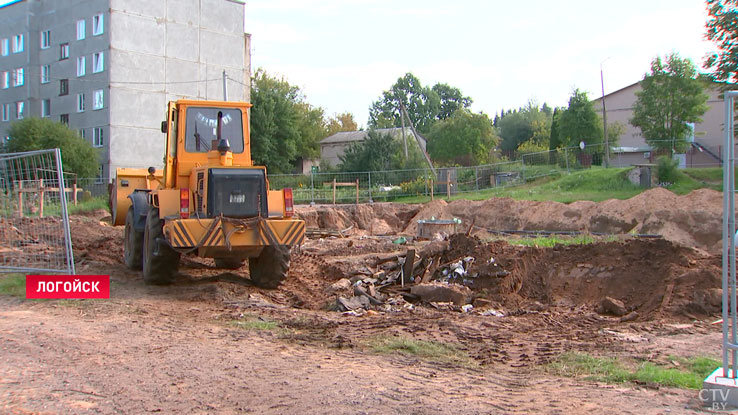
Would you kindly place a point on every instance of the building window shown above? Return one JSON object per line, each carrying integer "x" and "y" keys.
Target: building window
{"x": 46, "y": 108}
{"x": 18, "y": 75}
{"x": 46, "y": 39}
{"x": 97, "y": 137}
{"x": 97, "y": 24}
{"x": 64, "y": 51}
{"x": 97, "y": 62}
{"x": 18, "y": 43}
{"x": 64, "y": 119}
{"x": 5, "y": 46}
{"x": 100, "y": 174}
{"x": 81, "y": 102}
{"x": 82, "y": 133}
{"x": 98, "y": 99}
{"x": 20, "y": 107}
{"x": 45, "y": 74}
{"x": 81, "y": 66}
{"x": 6, "y": 80}
{"x": 63, "y": 87}
{"x": 80, "y": 29}
{"x": 6, "y": 112}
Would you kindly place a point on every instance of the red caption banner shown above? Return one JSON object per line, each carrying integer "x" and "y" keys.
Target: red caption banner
{"x": 68, "y": 286}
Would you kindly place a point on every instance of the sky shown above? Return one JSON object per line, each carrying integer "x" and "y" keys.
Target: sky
{"x": 503, "y": 54}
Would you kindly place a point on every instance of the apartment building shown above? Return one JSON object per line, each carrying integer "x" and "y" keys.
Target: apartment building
{"x": 107, "y": 68}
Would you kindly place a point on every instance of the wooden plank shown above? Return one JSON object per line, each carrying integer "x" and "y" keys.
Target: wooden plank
{"x": 407, "y": 267}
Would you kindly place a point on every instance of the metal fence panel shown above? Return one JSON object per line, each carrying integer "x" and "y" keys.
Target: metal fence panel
{"x": 34, "y": 224}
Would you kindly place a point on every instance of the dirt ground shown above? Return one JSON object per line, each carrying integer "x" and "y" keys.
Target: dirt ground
{"x": 179, "y": 349}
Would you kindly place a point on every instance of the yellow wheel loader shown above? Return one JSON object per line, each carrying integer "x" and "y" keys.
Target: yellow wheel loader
{"x": 210, "y": 200}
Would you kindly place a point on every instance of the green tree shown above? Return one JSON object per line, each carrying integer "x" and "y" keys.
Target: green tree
{"x": 527, "y": 123}
{"x": 722, "y": 28}
{"x": 554, "y": 141}
{"x": 451, "y": 100}
{"x": 78, "y": 155}
{"x": 341, "y": 122}
{"x": 671, "y": 97}
{"x": 464, "y": 138}
{"x": 381, "y": 151}
{"x": 579, "y": 122}
{"x": 283, "y": 125}
{"x": 312, "y": 127}
{"x": 424, "y": 105}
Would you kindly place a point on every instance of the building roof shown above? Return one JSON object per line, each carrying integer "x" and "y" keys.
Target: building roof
{"x": 713, "y": 84}
{"x": 351, "y": 136}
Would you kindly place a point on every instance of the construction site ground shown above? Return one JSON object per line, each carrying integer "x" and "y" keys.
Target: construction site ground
{"x": 214, "y": 343}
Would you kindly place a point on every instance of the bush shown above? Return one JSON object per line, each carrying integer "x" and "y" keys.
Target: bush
{"x": 666, "y": 170}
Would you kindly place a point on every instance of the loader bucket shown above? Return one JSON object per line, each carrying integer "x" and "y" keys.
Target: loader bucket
{"x": 126, "y": 181}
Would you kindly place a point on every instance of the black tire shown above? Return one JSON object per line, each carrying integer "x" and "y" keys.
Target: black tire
{"x": 228, "y": 263}
{"x": 270, "y": 268}
{"x": 158, "y": 267}
{"x": 132, "y": 244}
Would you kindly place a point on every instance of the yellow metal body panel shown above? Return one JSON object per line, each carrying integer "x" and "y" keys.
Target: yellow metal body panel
{"x": 126, "y": 181}
{"x": 167, "y": 200}
{"x": 275, "y": 203}
{"x": 214, "y": 233}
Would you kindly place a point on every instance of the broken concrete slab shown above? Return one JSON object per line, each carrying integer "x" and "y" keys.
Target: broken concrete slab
{"x": 340, "y": 285}
{"x": 454, "y": 293}
{"x": 609, "y": 305}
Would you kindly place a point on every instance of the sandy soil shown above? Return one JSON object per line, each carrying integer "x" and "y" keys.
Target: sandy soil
{"x": 176, "y": 349}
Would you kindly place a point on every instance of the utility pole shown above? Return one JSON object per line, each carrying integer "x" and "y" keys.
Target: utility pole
{"x": 404, "y": 138}
{"x": 604, "y": 117}
{"x": 225, "y": 86}
{"x": 403, "y": 113}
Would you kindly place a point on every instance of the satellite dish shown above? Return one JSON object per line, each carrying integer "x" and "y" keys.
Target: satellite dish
{"x": 581, "y": 145}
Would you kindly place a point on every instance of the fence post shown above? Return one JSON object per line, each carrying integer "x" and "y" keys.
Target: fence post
{"x": 522, "y": 170}
{"x": 476, "y": 177}
{"x": 448, "y": 188}
{"x": 357, "y": 191}
{"x": 566, "y": 156}
{"x": 312, "y": 188}
{"x": 20, "y": 197}
{"x": 74, "y": 191}
{"x": 431, "y": 187}
{"x": 41, "y": 198}
{"x": 370, "y": 187}
{"x": 334, "y": 190}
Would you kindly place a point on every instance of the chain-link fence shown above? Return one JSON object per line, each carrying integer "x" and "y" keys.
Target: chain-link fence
{"x": 34, "y": 225}
{"x": 350, "y": 187}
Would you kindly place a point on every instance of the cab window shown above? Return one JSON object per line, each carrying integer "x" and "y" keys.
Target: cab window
{"x": 202, "y": 126}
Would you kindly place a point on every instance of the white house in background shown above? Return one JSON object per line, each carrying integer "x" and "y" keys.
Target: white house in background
{"x": 334, "y": 146}
{"x": 707, "y": 145}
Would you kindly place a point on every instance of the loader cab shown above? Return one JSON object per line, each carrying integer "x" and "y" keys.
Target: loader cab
{"x": 198, "y": 131}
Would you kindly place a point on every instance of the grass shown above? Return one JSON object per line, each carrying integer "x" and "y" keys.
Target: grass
{"x": 90, "y": 205}
{"x": 553, "y": 240}
{"x": 13, "y": 285}
{"x": 255, "y": 323}
{"x": 427, "y": 350}
{"x": 688, "y": 375}
{"x": 595, "y": 184}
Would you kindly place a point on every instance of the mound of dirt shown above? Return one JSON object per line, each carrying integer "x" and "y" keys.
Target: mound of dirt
{"x": 693, "y": 220}
{"x": 95, "y": 240}
{"x": 653, "y": 277}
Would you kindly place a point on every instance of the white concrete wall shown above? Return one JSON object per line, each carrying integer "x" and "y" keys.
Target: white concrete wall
{"x": 175, "y": 49}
